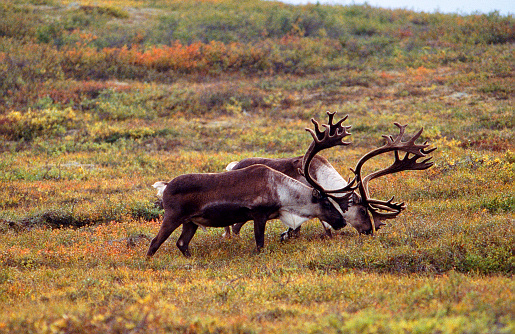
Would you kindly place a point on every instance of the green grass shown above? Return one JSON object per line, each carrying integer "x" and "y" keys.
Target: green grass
{"x": 86, "y": 130}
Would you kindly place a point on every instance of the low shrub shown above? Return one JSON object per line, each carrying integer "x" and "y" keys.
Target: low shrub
{"x": 33, "y": 123}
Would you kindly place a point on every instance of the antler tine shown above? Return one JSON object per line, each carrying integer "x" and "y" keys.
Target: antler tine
{"x": 333, "y": 128}
{"x": 388, "y": 205}
{"x": 386, "y": 209}
{"x": 382, "y": 210}
{"x": 317, "y": 134}
{"x": 407, "y": 146}
{"x": 390, "y": 140}
{"x": 428, "y": 150}
{"x": 416, "y": 135}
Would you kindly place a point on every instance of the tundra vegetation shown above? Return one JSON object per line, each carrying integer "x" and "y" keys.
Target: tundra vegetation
{"x": 100, "y": 99}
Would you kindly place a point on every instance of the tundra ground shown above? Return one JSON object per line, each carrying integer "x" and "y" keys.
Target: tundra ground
{"x": 88, "y": 124}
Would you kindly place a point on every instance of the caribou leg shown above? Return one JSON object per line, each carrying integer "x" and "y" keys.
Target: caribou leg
{"x": 227, "y": 232}
{"x": 290, "y": 233}
{"x": 188, "y": 231}
{"x": 167, "y": 227}
{"x": 327, "y": 229}
{"x": 236, "y": 228}
{"x": 259, "y": 232}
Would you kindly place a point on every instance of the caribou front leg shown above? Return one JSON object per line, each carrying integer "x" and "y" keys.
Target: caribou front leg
{"x": 227, "y": 232}
{"x": 291, "y": 233}
{"x": 170, "y": 223}
{"x": 259, "y": 232}
{"x": 327, "y": 229}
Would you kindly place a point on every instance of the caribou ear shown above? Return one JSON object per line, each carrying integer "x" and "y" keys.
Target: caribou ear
{"x": 317, "y": 195}
{"x": 343, "y": 202}
{"x": 355, "y": 199}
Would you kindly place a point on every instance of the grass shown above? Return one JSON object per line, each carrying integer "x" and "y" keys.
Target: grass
{"x": 86, "y": 130}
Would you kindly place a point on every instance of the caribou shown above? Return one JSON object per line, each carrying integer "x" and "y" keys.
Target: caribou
{"x": 361, "y": 211}
{"x": 258, "y": 193}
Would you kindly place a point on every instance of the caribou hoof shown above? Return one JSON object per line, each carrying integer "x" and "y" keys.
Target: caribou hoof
{"x": 290, "y": 233}
{"x": 186, "y": 253}
{"x": 327, "y": 234}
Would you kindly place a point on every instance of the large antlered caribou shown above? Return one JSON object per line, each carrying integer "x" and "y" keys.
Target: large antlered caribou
{"x": 257, "y": 193}
{"x": 357, "y": 204}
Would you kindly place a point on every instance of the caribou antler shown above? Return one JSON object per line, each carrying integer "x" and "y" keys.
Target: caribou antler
{"x": 382, "y": 210}
{"x": 396, "y": 144}
{"x": 336, "y": 132}
{"x": 331, "y": 136}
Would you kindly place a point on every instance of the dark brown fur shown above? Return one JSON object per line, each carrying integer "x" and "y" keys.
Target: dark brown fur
{"x": 224, "y": 199}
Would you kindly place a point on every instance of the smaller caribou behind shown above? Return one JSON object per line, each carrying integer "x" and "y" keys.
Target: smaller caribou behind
{"x": 257, "y": 193}
{"x": 364, "y": 213}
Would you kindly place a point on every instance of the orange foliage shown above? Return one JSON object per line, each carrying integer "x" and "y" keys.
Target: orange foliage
{"x": 421, "y": 73}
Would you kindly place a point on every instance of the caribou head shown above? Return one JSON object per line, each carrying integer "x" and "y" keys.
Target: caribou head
{"x": 381, "y": 210}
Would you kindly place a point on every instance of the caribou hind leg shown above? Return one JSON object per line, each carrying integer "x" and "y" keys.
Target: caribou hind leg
{"x": 188, "y": 231}
{"x": 235, "y": 230}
